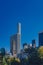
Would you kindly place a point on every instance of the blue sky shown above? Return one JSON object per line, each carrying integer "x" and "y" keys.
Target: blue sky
{"x": 28, "y": 12}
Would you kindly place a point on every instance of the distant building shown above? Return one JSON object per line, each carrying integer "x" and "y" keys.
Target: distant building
{"x": 41, "y": 39}
{"x": 34, "y": 43}
{"x": 1, "y": 58}
{"x": 30, "y": 45}
{"x": 25, "y": 46}
{"x": 15, "y": 42}
{"x": 3, "y": 51}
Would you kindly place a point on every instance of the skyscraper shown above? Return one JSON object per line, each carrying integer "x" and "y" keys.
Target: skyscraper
{"x": 41, "y": 39}
{"x": 15, "y": 41}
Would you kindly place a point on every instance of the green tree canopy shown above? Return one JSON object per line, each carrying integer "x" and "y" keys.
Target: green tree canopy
{"x": 40, "y": 52}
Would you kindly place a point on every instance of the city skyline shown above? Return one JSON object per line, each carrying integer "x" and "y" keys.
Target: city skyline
{"x": 29, "y": 13}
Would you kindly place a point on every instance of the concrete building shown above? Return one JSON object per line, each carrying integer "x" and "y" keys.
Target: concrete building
{"x": 41, "y": 39}
{"x": 15, "y": 41}
{"x": 30, "y": 45}
{"x": 25, "y": 46}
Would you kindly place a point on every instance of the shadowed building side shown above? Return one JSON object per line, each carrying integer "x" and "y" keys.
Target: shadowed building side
{"x": 13, "y": 44}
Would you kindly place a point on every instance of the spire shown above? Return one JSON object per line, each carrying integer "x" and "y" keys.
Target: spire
{"x": 19, "y": 28}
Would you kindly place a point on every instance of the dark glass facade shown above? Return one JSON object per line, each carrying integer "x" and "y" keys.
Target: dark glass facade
{"x": 41, "y": 39}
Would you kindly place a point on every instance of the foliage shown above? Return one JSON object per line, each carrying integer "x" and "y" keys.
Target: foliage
{"x": 40, "y": 52}
{"x": 35, "y": 57}
{"x": 4, "y": 61}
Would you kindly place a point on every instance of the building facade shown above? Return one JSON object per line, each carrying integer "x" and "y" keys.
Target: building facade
{"x": 15, "y": 42}
{"x": 34, "y": 43}
{"x": 41, "y": 39}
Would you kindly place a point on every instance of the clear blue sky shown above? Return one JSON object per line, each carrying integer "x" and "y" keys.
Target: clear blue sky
{"x": 28, "y": 12}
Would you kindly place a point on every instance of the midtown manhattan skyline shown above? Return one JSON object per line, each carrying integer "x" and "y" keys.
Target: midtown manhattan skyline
{"x": 28, "y": 12}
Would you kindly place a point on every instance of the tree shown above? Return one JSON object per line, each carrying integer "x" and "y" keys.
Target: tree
{"x": 40, "y": 52}
{"x": 13, "y": 61}
{"x": 4, "y": 61}
{"x": 34, "y": 59}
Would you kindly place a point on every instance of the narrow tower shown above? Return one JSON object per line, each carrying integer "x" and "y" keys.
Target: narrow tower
{"x": 19, "y": 28}
{"x": 18, "y": 37}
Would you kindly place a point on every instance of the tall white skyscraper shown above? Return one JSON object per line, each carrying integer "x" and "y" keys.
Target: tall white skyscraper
{"x": 15, "y": 41}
